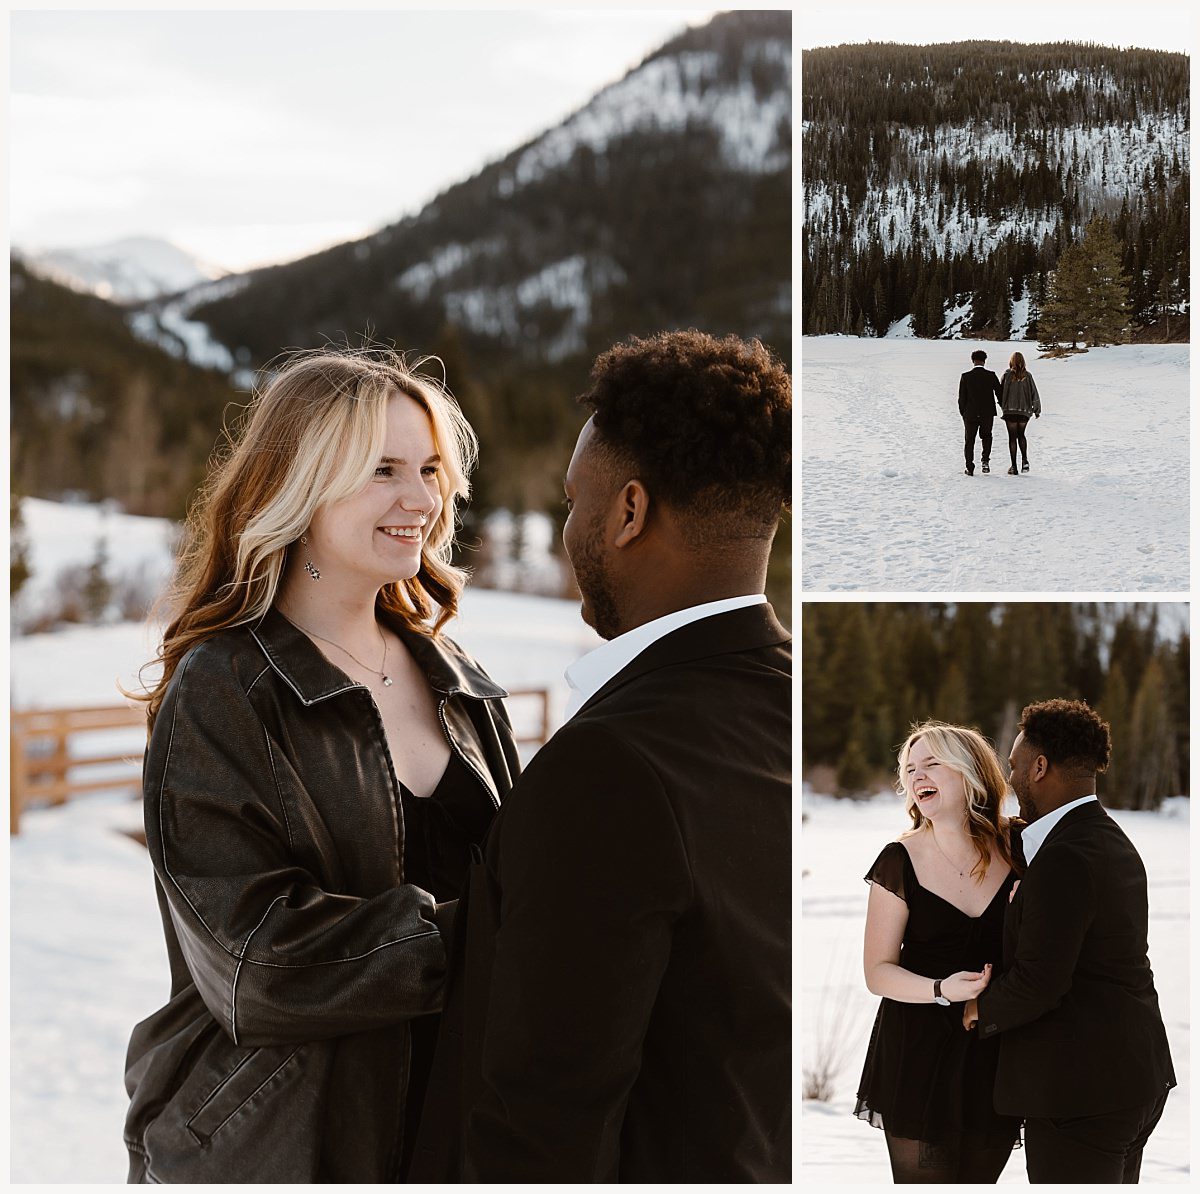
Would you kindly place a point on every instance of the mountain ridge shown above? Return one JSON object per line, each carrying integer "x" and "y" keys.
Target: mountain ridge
{"x": 938, "y": 174}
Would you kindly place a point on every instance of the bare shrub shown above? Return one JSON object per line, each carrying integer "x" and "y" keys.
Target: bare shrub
{"x": 838, "y": 1020}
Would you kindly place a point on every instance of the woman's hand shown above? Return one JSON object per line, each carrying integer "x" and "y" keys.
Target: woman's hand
{"x": 966, "y": 984}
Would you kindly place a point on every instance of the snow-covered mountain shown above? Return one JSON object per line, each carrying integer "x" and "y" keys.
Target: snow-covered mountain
{"x": 130, "y": 270}
{"x": 944, "y": 177}
{"x": 664, "y": 202}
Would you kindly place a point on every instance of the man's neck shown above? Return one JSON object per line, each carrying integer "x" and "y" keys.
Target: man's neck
{"x": 1068, "y": 795}
{"x": 654, "y": 603}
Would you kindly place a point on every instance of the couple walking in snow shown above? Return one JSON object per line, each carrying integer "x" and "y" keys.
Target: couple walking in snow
{"x": 1018, "y": 398}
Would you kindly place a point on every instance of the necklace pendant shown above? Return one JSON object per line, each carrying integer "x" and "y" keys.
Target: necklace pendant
{"x": 387, "y": 681}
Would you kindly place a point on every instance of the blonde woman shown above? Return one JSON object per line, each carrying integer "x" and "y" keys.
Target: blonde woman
{"x": 322, "y": 761}
{"x": 1019, "y": 400}
{"x": 935, "y": 917}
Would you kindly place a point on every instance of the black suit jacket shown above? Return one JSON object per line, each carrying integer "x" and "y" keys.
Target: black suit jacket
{"x": 621, "y": 1010}
{"x": 976, "y": 390}
{"x": 1076, "y": 1006}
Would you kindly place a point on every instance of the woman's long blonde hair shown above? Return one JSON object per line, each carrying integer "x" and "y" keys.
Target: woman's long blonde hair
{"x": 969, "y": 753}
{"x": 311, "y": 436}
{"x": 1016, "y": 363}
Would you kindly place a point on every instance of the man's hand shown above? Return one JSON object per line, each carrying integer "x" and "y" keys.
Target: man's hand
{"x": 970, "y": 1014}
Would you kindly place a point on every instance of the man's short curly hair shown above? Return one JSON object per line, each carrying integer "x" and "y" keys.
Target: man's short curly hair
{"x": 705, "y": 423}
{"x": 1071, "y": 734}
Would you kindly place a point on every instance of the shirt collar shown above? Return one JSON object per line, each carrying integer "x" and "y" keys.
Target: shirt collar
{"x": 589, "y": 673}
{"x": 1033, "y": 836}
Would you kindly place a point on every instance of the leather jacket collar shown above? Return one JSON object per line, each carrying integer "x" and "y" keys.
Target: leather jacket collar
{"x": 313, "y": 678}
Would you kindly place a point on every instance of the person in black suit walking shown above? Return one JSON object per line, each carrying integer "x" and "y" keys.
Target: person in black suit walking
{"x": 618, "y": 1004}
{"x": 978, "y": 391}
{"x": 1083, "y": 1050}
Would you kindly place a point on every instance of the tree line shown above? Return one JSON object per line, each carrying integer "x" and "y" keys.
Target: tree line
{"x": 871, "y": 670}
{"x": 954, "y": 177}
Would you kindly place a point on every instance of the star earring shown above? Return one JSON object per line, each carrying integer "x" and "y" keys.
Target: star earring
{"x": 309, "y": 566}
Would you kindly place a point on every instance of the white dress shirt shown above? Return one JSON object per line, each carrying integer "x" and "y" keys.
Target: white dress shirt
{"x": 1034, "y": 835}
{"x": 590, "y": 672}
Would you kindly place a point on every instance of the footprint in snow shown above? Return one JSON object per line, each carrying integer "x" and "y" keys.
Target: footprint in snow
{"x": 1146, "y": 549}
{"x": 891, "y": 472}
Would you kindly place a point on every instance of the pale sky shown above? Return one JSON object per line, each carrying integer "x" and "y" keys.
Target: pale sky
{"x": 251, "y": 137}
{"x": 1153, "y": 24}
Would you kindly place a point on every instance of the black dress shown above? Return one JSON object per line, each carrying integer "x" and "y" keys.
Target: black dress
{"x": 927, "y": 1078}
{"x": 439, "y": 831}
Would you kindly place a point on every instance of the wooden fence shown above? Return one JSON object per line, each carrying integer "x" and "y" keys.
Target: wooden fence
{"x": 43, "y": 765}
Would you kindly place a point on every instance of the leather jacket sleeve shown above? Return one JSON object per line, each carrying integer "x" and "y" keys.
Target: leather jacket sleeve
{"x": 275, "y": 958}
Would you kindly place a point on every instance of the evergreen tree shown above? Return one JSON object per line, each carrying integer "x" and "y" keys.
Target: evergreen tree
{"x": 1002, "y": 315}
{"x": 18, "y": 547}
{"x": 1106, "y": 311}
{"x": 97, "y": 588}
{"x": 1154, "y": 763}
{"x": 1117, "y": 782}
{"x": 853, "y": 769}
{"x": 1063, "y": 316}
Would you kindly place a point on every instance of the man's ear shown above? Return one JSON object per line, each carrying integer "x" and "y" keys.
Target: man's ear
{"x": 1041, "y": 765}
{"x": 634, "y": 510}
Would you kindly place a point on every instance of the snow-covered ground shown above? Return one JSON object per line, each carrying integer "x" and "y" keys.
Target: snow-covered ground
{"x": 887, "y": 507}
{"x": 839, "y": 841}
{"x": 87, "y": 960}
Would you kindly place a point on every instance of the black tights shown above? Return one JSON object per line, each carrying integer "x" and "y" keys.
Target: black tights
{"x": 1016, "y": 438}
{"x": 920, "y": 1161}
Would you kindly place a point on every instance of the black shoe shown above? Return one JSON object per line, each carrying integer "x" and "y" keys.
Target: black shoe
{"x": 969, "y": 470}
{"x": 1012, "y": 472}
{"x": 1025, "y": 467}
{"x": 987, "y": 468}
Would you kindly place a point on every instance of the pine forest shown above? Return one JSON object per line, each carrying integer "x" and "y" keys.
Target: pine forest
{"x": 872, "y": 670}
{"x": 945, "y": 185}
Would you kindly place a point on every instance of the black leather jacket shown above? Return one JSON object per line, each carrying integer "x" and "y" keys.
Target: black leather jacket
{"x": 297, "y": 952}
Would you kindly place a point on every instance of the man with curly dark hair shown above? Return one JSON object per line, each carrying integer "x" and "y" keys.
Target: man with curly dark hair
{"x": 1083, "y": 1055}
{"x": 684, "y": 468}
{"x": 625, "y": 997}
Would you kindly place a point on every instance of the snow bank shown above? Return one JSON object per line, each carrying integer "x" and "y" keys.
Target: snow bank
{"x": 839, "y": 841}
{"x": 886, "y": 506}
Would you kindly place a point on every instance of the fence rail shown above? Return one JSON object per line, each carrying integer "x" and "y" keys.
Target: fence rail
{"x": 43, "y": 766}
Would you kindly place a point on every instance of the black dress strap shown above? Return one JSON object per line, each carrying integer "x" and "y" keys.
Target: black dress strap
{"x": 893, "y": 870}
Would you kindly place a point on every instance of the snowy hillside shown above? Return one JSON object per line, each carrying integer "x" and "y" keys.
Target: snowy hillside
{"x": 955, "y": 171}
{"x": 840, "y": 838}
{"x": 1105, "y": 164}
{"x": 635, "y": 212}
{"x": 126, "y": 271}
{"x": 886, "y": 506}
{"x": 668, "y": 94}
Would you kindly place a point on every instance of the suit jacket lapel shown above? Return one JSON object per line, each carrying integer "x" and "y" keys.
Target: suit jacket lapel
{"x": 1085, "y": 812}
{"x": 721, "y": 634}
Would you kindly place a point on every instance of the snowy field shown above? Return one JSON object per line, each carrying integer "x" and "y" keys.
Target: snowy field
{"x": 87, "y": 960}
{"x": 887, "y": 507}
{"x": 839, "y": 841}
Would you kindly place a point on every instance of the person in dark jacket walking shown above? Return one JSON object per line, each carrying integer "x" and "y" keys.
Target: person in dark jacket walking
{"x": 978, "y": 389}
{"x": 322, "y": 761}
{"x": 620, "y": 1009}
{"x": 1018, "y": 400}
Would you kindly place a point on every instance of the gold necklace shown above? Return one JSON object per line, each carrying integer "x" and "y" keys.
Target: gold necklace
{"x": 933, "y": 833}
{"x": 382, "y": 674}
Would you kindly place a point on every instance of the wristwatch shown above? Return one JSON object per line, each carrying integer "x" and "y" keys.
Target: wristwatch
{"x": 938, "y": 997}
